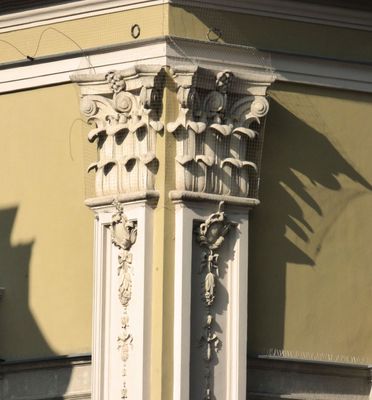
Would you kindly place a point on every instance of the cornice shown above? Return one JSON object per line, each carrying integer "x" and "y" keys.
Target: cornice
{"x": 282, "y": 9}
{"x": 178, "y": 51}
{"x": 292, "y": 10}
{"x": 69, "y": 11}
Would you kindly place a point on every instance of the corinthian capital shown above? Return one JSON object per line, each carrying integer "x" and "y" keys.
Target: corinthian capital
{"x": 219, "y": 132}
{"x": 124, "y": 107}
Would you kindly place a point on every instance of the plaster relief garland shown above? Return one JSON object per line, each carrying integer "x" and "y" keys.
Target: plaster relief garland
{"x": 210, "y": 236}
{"x": 218, "y": 135}
{"x": 123, "y": 236}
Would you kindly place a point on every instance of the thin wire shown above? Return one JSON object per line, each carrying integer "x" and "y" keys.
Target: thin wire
{"x": 33, "y": 56}
{"x": 67, "y": 37}
{"x": 70, "y": 134}
{"x": 182, "y": 51}
{"x": 14, "y": 47}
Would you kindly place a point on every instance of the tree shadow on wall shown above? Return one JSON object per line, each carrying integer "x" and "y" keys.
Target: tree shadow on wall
{"x": 21, "y": 340}
{"x": 293, "y": 153}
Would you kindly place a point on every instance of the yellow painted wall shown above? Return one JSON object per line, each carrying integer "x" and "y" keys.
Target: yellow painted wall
{"x": 271, "y": 33}
{"x": 310, "y": 268}
{"x": 163, "y": 255}
{"x": 310, "y": 278}
{"x": 86, "y": 33}
{"x": 46, "y": 232}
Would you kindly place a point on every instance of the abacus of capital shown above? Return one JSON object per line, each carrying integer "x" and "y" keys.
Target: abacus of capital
{"x": 216, "y": 135}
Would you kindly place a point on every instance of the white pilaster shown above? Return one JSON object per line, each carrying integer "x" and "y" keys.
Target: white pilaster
{"x": 219, "y": 135}
{"x": 228, "y": 364}
{"x": 107, "y": 313}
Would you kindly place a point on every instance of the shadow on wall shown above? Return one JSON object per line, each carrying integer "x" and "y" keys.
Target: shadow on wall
{"x": 294, "y": 152}
{"x": 18, "y": 329}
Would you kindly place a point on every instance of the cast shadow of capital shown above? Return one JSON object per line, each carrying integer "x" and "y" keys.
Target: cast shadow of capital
{"x": 294, "y": 153}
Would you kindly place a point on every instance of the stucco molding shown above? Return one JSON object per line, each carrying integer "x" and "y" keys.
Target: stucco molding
{"x": 122, "y": 301}
{"x": 278, "y": 378}
{"x": 68, "y": 11}
{"x": 288, "y": 10}
{"x": 291, "y": 10}
{"x": 123, "y": 236}
{"x": 66, "y": 377}
{"x": 219, "y": 131}
{"x": 161, "y": 51}
{"x": 210, "y": 236}
{"x": 196, "y": 366}
{"x": 125, "y": 107}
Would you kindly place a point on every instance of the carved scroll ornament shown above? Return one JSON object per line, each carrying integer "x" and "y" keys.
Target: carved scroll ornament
{"x": 125, "y": 107}
{"x": 123, "y": 236}
{"x": 218, "y": 133}
{"x": 210, "y": 235}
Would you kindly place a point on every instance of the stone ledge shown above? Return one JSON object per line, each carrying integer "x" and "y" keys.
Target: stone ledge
{"x": 278, "y": 378}
{"x": 176, "y": 195}
{"x": 46, "y": 379}
{"x": 150, "y": 195}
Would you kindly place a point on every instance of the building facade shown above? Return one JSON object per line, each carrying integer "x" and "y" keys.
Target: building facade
{"x": 186, "y": 203}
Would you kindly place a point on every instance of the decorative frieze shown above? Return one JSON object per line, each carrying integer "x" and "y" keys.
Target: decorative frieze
{"x": 123, "y": 236}
{"x": 219, "y": 132}
{"x": 210, "y": 236}
{"x": 125, "y": 107}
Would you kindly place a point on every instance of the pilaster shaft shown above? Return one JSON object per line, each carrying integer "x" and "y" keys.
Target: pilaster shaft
{"x": 173, "y": 194}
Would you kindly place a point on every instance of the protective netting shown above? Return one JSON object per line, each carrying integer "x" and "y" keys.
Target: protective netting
{"x": 219, "y": 143}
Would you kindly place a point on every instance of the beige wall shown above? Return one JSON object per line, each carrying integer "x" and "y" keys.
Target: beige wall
{"x": 45, "y": 230}
{"x": 311, "y": 278}
{"x": 272, "y": 34}
{"x": 192, "y": 22}
{"x": 86, "y": 33}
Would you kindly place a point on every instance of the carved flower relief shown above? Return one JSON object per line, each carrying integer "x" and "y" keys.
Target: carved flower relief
{"x": 211, "y": 234}
{"x": 124, "y": 342}
{"x": 125, "y": 289}
{"x": 213, "y": 231}
{"x": 124, "y": 233}
{"x": 223, "y": 81}
{"x": 116, "y": 81}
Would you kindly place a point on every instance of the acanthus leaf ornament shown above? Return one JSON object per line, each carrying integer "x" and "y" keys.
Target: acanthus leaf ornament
{"x": 123, "y": 236}
{"x": 124, "y": 107}
{"x": 218, "y": 132}
{"x": 210, "y": 236}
